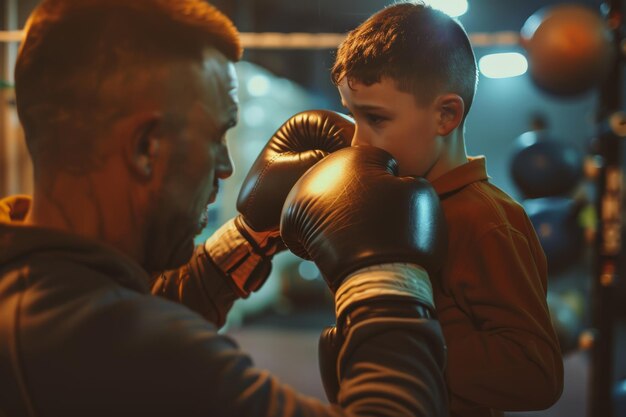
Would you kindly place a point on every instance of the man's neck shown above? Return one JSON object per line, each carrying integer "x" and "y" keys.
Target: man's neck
{"x": 84, "y": 205}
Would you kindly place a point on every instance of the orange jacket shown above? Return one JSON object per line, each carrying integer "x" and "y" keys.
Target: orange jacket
{"x": 503, "y": 353}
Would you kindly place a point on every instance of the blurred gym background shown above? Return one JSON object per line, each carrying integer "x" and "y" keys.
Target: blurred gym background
{"x": 542, "y": 144}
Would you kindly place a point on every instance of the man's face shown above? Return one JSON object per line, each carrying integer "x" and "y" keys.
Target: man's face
{"x": 392, "y": 120}
{"x": 198, "y": 159}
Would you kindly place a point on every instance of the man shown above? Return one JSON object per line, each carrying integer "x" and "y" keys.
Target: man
{"x": 125, "y": 106}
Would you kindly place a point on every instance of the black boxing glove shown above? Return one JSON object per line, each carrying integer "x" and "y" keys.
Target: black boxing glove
{"x": 373, "y": 236}
{"x": 351, "y": 211}
{"x": 297, "y": 145}
{"x": 243, "y": 247}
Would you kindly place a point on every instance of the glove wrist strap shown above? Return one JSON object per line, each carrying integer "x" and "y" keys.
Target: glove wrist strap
{"x": 244, "y": 261}
{"x": 397, "y": 290}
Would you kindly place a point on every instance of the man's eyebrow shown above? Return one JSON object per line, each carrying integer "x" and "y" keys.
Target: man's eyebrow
{"x": 217, "y": 125}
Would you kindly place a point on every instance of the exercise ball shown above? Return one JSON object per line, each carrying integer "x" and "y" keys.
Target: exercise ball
{"x": 557, "y": 225}
{"x": 544, "y": 167}
{"x": 567, "y": 319}
{"x": 569, "y": 47}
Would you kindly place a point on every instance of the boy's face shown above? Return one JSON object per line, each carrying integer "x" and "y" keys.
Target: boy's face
{"x": 393, "y": 120}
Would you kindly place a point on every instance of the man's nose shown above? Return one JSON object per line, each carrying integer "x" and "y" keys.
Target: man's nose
{"x": 224, "y": 167}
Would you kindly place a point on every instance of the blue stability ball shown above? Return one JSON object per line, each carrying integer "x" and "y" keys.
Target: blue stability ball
{"x": 566, "y": 313}
{"x": 555, "y": 220}
{"x": 544, "y": 167}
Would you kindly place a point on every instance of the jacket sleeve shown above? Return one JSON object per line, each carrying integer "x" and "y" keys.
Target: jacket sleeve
{"x": 390, "y": 367}
{"x": 507, "y": 357}
{"x": 200, "y": 285}
{"x": 140, "y": 355}
{"x": 389, "y": 362}
{"x": 393, "y": 367}
{"x": 230, "y": 265}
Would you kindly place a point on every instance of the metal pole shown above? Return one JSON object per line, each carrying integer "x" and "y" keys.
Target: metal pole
{"x": 609, "y": 245}
{"x": 9, "y": 150}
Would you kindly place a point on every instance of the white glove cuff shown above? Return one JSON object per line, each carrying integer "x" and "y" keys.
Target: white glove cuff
{"x": 384, "y": 282}
{"x": 236, "y": 256}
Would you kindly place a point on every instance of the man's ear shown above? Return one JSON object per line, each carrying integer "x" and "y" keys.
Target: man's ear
{"x": 142, "y": 143}
{"x": 451, "y": 110}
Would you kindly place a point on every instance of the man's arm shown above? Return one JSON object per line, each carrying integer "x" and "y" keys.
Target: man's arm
{"x": 139, "y": 355}
{"x": 390, "y": 363}
{"x": 230, "y": 265}
{"x": 509, "y": 357}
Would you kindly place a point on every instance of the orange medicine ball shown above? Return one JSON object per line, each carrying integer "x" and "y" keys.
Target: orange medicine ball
{"x": 570, "y": 49}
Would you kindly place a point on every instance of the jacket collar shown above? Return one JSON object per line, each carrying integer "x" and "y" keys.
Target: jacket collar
{"x": 18, "y": 240}
{"x": 473, "y": 171}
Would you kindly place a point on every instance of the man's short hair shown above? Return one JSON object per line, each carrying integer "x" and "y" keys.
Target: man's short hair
{"x": 424, "y": 50}
{"x": 72, "y": 47}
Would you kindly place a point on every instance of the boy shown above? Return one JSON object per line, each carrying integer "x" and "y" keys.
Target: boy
{"x": 408, "y": 76}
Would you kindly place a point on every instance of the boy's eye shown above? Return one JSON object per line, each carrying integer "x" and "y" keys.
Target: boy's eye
{"x": 375, "y": 119}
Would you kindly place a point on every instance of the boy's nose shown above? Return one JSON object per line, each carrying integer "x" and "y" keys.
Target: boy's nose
{"x": 359, "y": 138}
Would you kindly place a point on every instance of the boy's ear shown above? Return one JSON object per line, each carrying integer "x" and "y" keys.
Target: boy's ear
{"x": 451, "y": 110}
